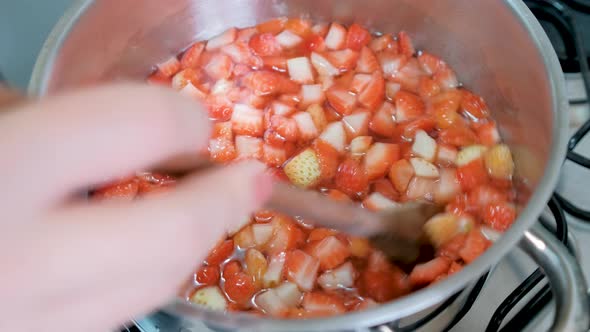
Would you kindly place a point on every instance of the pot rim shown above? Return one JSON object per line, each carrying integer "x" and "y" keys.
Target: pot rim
{"x": 426, "y": 297}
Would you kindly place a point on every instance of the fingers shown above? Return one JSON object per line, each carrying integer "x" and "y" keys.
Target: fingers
{"x": 90, "y": 136}
{"x": 91, "y": 250}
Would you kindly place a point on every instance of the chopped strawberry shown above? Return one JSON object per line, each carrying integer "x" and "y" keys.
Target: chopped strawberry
{"x": 488, "y": 134}
{"x": 274, "y": 271}
{"x": 299, "y": 26}
{"x": 307, "y": 128}
{"x": 191, "y": 91}
{"x": 374, "y": 93}
{"x": 320, "y": 304}
{"x": 400, "y": 174}
{"x": 240, "y": 288}
{"x": 244, "y": 238}
{"x": 451, "y": 248}
{"x": 356, "y": 124}
{"x": 157, "y": 78}
{"x": 485, "y": 195}
{"x": 329, "y": 159}
{"x": 304, "y": 170}
{"x": 315, "y": 43}
{"x": 392, "y": 63}
{"x": 377, "y": 202}
{"x": 445, "y": 77}
{"x": 409, "y": 76}
{"x": 190, "y": 58}
{"x": 382, "y": 281}
{"x": 472, "y": 175}
{"x": 286, "y": 235}
{"x": 409, "y": 106}
{"x": 262, "y": 233}
{"x": 341, "y": 277}
{"x": 421, "y": 188}
{"x": 211, "y": 298}
{"x": 273, "y": 156}
{"x": 207, "y": 275}
{"x": 428, "y": 88}
{"x": 249, "y": 147}
{"x": 383, "y": 122}
{"x": 318, "y": 234}
{"x": 247, "y": 120}
{"x": 169, "y": 67}
{"x": 474, "y": 106}
{"x": 222, "y": 150}
{"x": 256, "y": 266}
{"x": 123, "y": 190}
{"x": 360, "y": 145}
{"x": 446, "y": 155}
{"x": 318, "y": 116}
{"x": 273, "y": 26}
{"x": 267, "y": 83}
{"x": 225, "y": 38}
{"x": 323, "y": 66}
{"x": 424, "y": 125}
{"x": 405, "y": 44}
{"x": 300, "y": 70}
{"x": 220, "y": 253}
{"x": 245, "y": 34}
{"x": 379, "y": 158}
{"x": 302, "y": 269}
{"x": 430, "y": 63}
{"x": 357, "y": 37}
{"x": 382, "y": 43}
{"x": 336, "y": 37}
{"x": 458, "y": 136}
{"x": 335, "y": 135}
{"x": 344, "y": 60}
{"x": 283, "y": 109}
{"x": 219, "y": 67}
{"x": 271, "y": 304}
{"x": 475, "y": 245}
{"x": 455, "y": 267}
{"x": 425, "y": 273}
{"x": 352, "y": 178}
{"x": 241, "y": 54}
{"x": 286, "y": 127}
{"x": 391, "y": 89}
{"x": 275, "y": 63}
{"x": 342, "y": 101}
{"x": 230, "y": 268}
{"x": 499, "y": 216}
{"x": 337, "y": 195}
{"x": 312, "y": 94}
{"x": 360, "y": 82}
{"x": 331, "y": 252}
{"x": 265, "y": 44}
{"x": 367, "y": 62}
{"x": 448, "y": 186}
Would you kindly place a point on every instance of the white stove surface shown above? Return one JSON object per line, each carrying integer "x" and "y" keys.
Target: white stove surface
{"x": 512, "y": 270}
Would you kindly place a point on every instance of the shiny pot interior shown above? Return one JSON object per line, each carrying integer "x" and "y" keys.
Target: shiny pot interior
{"x": 496, "y": 47}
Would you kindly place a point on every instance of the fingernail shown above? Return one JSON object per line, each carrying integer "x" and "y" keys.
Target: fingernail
{"x": 263, "y": 183}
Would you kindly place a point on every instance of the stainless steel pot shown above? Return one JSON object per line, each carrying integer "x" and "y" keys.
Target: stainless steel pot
{"x": 497, "y": 48}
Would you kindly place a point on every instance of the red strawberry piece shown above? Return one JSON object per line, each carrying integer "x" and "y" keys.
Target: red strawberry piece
{"x": 448, "y": 186}
{"x": 360, "y": 145}
{"x": 249, "y": 147}
{"x": 446, "y": 155}
{"x": 382, "y": 281}
{"x": 244, "y": 35}
{"x": 344, "y": 60}
{"x": 299, "y": 26}
{"x": 430, "y": 63}
{"x": 247, "y": 120}
{"x": 400, "y": 174}
{"x": 306, "y": 126}
{"x": 374, "y": 93}
{"x": 409, "y": 106}
{"x": 352, "y": 178}
{"x": 357, "y": 37}
{"x": 122, "y": 190}
{"x": 264, "y": 83}
{"x": 265, "y": 44}
{"x": 341, "y": 277}
{"x": 300, "y": 70}
{"x": 273, "y": 26}
{"x": 475, "y": 245}
{"x": 315, "y": 43}
{"x": 286, "y": 235}
{"x": 286, "y": 127}
{"x": 445, "y": 77}
{"x": 318, "y": 234}
{"x": 219, "y": 67}
{"x": 320, "y": 304}
{"x": 240, "y": 288}
{"x": 385, "y": 188}
{"x": 421, "y": 188}
{"x": 337, "y": 195}
{"x": 157, "y": 78}
{"x": 484, "y": 195}
{"x": 341, "y": 100}
{"x": 360, "y": 82}
{"x": 457, "y": 135}
{"x": 222, "y": 150}
{"x": 382, "y": 43}
{"x": 191, "y": 91}
{"x": 274, "y": 272}
{"x": 455, "y": 267}
{"x": 451, "y": 248}
{"x": 356, "y": 124}
{"x": 169, "y": 67}
{"x": 409, "y": 76}
{"x": 392, "y": 63}
{"x": 335, "y": 135}
{"x": 312, "y": 94}
{"x": 383, "y": 123}
{"x": 488, "y": 134}
{"x": 499, "y": 216}
{"x": 222, "y": 130}
{"x": 406, "y": 46}
{"x": 225, "y": 38}
{"x": 331, "y": 252}
{"x": 378, "y": 202}
{"x": 280, "y": 108}
{"x": 474, "y": 106}
{"x": 426, "y": 124}
{"x": 241, "y": 54}
{"x": 425, "y": 273}
{"x": 273, "y": 156}
{"x": 207, "y": 275}
{"x": 276, "y": 63}
{"x": 220, "y": 253}
{"x": 190, "y": 58}
{"x": 302, "y": 269}
{"x": 472, "y": 175}
{"x": 367, "y": 62}
{"x": 428, "y": 88}
{"x": 329, "y": 159}
{"x": 380, "y": 158}
{"x": 230, "y": 268}
{"x": 336, "y": 37}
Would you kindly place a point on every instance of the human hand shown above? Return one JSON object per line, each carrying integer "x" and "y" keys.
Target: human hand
{"x": 70, "y": 265}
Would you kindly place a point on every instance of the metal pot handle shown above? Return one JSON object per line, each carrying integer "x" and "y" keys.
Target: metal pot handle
{"x": 565, "y": 277}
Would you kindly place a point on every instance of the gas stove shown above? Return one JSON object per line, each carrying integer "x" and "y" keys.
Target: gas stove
{"x": 513, "y": 295}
